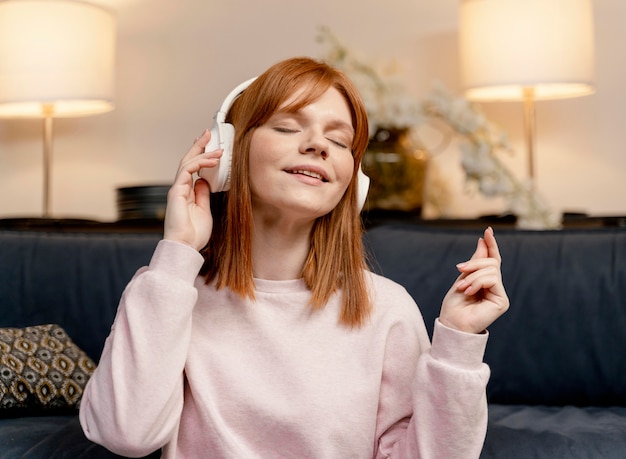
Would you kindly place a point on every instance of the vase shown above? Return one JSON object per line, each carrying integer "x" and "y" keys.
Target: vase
{"x": 397, "y": 169}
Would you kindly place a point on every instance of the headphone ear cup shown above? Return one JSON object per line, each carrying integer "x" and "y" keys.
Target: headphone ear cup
{"x": 363, "y": 184}
{"x": 222, "y": 137}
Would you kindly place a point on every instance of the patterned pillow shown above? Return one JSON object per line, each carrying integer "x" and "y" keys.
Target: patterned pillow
{"x": 42, "y": 371}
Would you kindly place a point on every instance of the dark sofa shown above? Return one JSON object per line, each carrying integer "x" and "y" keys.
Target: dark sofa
{"x": 558, "y": 384}
{"x": 557, "y": 357}
{"x": 74, "y": 280}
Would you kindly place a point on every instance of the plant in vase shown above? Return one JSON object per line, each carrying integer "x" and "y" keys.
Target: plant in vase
{"x": 397, "y": 169}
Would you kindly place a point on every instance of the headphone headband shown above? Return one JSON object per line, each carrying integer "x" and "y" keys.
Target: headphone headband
{"x": 220, "y": 116}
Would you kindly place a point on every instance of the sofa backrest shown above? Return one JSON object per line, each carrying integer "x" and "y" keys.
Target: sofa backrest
{"x": 563, "y": 340}
{"x": 74, "y": 280}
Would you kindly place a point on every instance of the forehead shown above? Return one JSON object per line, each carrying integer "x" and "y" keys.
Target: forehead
{"x": 331, "y": 100}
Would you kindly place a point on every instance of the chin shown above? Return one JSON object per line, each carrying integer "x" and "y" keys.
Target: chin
{"x": 313, "y": 212}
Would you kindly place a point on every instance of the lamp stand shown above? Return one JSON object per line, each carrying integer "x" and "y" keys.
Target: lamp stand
{"x": 529, "y": 130}
{"x": 48, "y": 113}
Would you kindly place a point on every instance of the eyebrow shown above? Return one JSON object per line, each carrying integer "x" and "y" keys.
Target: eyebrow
{"x": 342, "y": 125}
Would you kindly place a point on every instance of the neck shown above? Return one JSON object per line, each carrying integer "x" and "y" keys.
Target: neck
{"x": 280, "y": 248}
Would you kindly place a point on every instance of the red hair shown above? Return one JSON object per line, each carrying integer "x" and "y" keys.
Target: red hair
{"x": 336, "y": 260}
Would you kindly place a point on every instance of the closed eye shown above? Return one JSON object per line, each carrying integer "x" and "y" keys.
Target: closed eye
{"x": 285, "y": 130}
{"x": 338, "y": 143}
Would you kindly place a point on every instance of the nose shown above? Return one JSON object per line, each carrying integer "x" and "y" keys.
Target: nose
{"x": 317, "y": 144}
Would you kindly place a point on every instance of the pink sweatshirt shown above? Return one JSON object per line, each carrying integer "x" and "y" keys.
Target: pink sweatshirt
{"x": 207, "y": 374}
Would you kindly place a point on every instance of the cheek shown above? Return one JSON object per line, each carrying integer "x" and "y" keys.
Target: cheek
{"x": 255, "y": 158}
{"x": 345, "y": 169}
{"x": 263, "y": 158}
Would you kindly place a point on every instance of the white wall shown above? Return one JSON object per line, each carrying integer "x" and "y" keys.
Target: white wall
{"x": 177, "y": 59}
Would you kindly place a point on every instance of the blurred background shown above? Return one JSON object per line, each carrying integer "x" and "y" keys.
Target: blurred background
{"x": 176, "y": 61}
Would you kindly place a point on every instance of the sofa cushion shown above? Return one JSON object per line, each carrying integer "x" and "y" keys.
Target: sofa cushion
{"x": 548, "y": 432}
{"x": 41, "y": 371}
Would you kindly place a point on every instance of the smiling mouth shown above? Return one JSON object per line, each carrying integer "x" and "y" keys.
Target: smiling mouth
{"x": 308, "y": 174}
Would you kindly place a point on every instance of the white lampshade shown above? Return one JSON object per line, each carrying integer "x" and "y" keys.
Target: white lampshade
{"x": 55, "y": 53}
{"x": 509, "y": 45}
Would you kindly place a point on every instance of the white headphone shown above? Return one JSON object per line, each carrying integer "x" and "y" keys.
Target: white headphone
{"x": 223, "y": 136}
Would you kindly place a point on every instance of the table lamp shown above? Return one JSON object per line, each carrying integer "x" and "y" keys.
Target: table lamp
{"x": 526, "y": 50}
{"x": 56, "y": 60}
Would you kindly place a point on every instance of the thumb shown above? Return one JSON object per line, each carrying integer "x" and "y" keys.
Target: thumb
{"x": 481, "y": 250}
{"x": 202, "y": 193}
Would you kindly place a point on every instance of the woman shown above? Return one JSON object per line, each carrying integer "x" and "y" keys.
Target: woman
{"x": 285, "y": 345}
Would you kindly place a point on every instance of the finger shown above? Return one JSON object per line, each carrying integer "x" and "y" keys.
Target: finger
{"x": 484, "y": 278}
{"x": 203, "y": 140}
{"x": 202, "y": 192}
{"x": 203, "y": 159}
{"x": 198, "y": 146}
{"x": 492, "y": 245}
{"x": 481, "y": 250}
{"x": 470, "y": 266}
{"x": 190, "y": 165}
{"x": 488, "y": 287}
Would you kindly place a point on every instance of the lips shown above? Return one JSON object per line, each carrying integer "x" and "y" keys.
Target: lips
{"x": 309, "y": 171}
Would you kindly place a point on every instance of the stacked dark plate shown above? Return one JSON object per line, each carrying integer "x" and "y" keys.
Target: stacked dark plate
{"x": 142, "y": 202}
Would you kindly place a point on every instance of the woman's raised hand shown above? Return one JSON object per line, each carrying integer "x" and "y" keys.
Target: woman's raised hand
{"x": 188, "y": 214}
{"x": 477, "y": 297}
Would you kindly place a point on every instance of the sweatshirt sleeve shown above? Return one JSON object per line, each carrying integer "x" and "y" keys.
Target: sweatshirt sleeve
{"x": 133, "y": 401}
{"x": 449, "y": 403}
